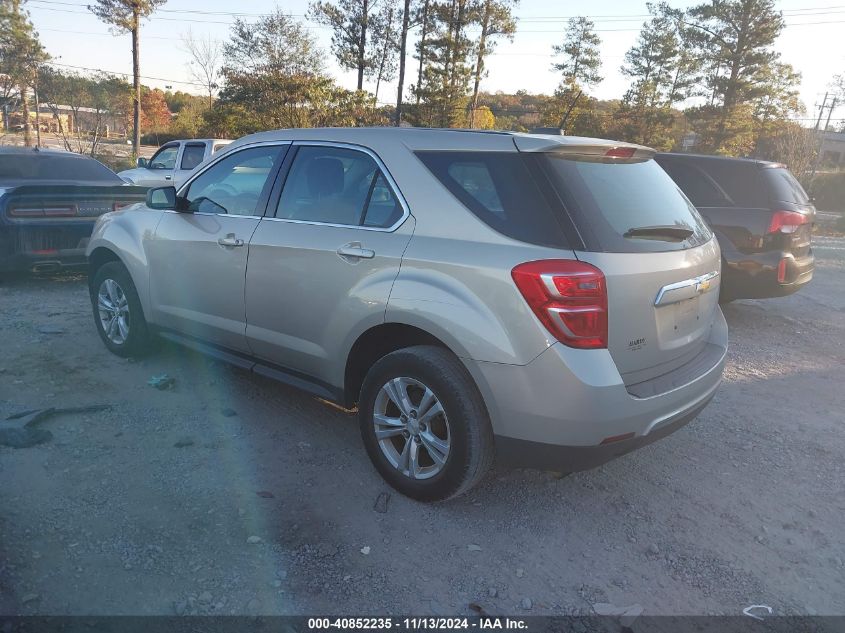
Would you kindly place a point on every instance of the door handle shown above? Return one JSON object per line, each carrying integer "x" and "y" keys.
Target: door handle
{"x": 353, "y": 250}
{"x": 168, "y": 177}
{"x": 230, "y": 241}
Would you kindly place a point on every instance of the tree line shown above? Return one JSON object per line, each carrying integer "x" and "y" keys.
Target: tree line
{"x": 710, "y": 73}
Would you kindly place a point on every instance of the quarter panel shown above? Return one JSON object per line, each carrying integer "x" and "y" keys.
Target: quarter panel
{"x": 462, "y": 292}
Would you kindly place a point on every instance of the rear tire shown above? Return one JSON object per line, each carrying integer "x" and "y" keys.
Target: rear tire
{"x": 441, "y": 432}
{"x": 118, "y": 315}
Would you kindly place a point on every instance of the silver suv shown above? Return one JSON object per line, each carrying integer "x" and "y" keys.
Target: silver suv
{"x": 548, "y": 300}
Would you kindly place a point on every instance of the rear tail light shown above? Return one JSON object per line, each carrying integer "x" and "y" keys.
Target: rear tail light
{"x": 782, "y": 271}
{"x": 787, "y": 221}
{"x": 53, "y": 211}
{"x": 570, "y": 299}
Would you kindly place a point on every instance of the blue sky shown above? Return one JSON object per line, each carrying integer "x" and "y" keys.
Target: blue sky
{"x": 813, "y": 41}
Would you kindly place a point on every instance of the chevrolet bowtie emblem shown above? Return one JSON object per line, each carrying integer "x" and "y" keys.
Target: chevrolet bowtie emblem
{"x": 703, "y": 286}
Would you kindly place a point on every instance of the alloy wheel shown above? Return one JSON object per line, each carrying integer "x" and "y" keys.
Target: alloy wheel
{"x": 113, "y": 308}
{"x": 411, "y": 428}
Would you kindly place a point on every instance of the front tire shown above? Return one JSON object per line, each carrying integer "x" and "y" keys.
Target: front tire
{"x": 424, "y": 423}
{"x": 118, "y": 315}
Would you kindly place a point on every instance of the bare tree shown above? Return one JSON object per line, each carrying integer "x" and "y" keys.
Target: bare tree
{"x": 206, "y": 61}
{"x": 796, "y": 147}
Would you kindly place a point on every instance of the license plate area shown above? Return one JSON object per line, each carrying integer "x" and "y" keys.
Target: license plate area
{"x": 686, "y": 316}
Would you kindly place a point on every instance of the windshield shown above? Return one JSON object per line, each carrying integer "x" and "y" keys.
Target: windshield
{"x": 626, "y": 206}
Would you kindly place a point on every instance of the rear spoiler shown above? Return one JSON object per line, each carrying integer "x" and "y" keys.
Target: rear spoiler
{"x": 578, "y": 147}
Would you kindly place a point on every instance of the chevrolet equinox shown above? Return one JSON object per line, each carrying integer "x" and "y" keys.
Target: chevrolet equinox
{"x": 549, "y": 300}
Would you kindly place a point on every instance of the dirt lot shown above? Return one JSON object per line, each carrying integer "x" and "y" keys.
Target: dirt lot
{"x": 233, "y": 494}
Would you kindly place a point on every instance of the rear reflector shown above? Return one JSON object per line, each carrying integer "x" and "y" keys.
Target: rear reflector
{"x": 621, "y": 152}
{"x": 786, "y": 221}
{"x": 569, "y": 297}
{"x": 782, "y": 271}
{"x": 617, "y": 438}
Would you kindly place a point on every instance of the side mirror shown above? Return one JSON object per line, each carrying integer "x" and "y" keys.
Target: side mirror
{"x": 142, "y": 162}
{"x": 163, "y": 198}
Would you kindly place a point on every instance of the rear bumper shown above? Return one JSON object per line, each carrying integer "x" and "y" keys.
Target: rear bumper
{"x": 755, "y": 276}
{"x": 527, "y": 454}
{"x": 27, "y": 247}
{"x": 567, "y": 409}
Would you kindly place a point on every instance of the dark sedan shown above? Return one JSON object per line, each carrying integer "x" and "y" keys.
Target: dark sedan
{"x": 49, "y": 202}
{"x": 761, "y": 215}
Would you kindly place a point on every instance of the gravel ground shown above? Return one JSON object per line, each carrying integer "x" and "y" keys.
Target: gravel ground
{"x": 232, "y": 494}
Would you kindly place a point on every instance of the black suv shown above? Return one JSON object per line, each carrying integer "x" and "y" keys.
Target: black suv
{"x": 761, "y": 215}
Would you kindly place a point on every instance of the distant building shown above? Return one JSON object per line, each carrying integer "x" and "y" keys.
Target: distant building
{"x": 62, "y": 117}
{"x": 832, "y": 149}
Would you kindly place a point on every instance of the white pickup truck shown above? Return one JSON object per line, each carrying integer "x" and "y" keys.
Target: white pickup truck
{"x": 173, "y": 162}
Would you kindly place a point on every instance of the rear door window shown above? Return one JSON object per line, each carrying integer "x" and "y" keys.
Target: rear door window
{"x": 500, "y": 189}
{"x": 337, "y": 185}
{"x": 626, "y": 206}
{"x": 192, "y": 155}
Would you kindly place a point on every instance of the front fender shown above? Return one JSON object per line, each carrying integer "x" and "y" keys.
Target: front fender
{"x": 125, "y": 233}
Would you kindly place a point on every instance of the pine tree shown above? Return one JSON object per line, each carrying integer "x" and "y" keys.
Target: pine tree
{"x": 580, "y": 50}
{"x": 385, "y": 40}
{"x": 496, "y": 20}
{"x": 579, "y": 69}
{"x": 125, "y": 16}
{"x": 20, "y": 55}
{"x": 662, "y": 73}
{"x": 735, "y": 39}
{"x": 403, "y": 50}
{"x": 444, "y": 89}
{"x": 351, "y": 22}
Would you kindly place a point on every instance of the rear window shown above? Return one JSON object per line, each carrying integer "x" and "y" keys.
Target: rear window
{"x": 611, "y": 199}
{"x": 499, "y": 188}
{"x": 43, "y": 166}
{"x": 784, "y": 187}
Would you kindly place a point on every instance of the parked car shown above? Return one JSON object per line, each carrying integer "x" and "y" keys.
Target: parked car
{"x": 49, "y": 201}
{"x": 173, "y": 162}
{"x": 761, "y": 215}
{"x": 551, "y": 300}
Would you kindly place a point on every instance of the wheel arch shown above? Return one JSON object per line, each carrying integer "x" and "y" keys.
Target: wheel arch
{"x": 377, "y": 342}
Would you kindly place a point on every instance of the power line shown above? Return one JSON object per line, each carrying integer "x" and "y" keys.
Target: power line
{"x": 321, "y": 27}
{"x": 605, "y": 17}
{"x": 620, "y": 18}
{"x": 114, "y": 72}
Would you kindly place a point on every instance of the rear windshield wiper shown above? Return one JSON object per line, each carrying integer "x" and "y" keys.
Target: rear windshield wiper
{"x": 668, "y": 232}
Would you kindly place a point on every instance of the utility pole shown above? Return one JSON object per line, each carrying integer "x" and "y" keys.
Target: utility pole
{"x": 830, "y": 110}
{"x": 37, "y": 110}
{"x": 821, "y": 112}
